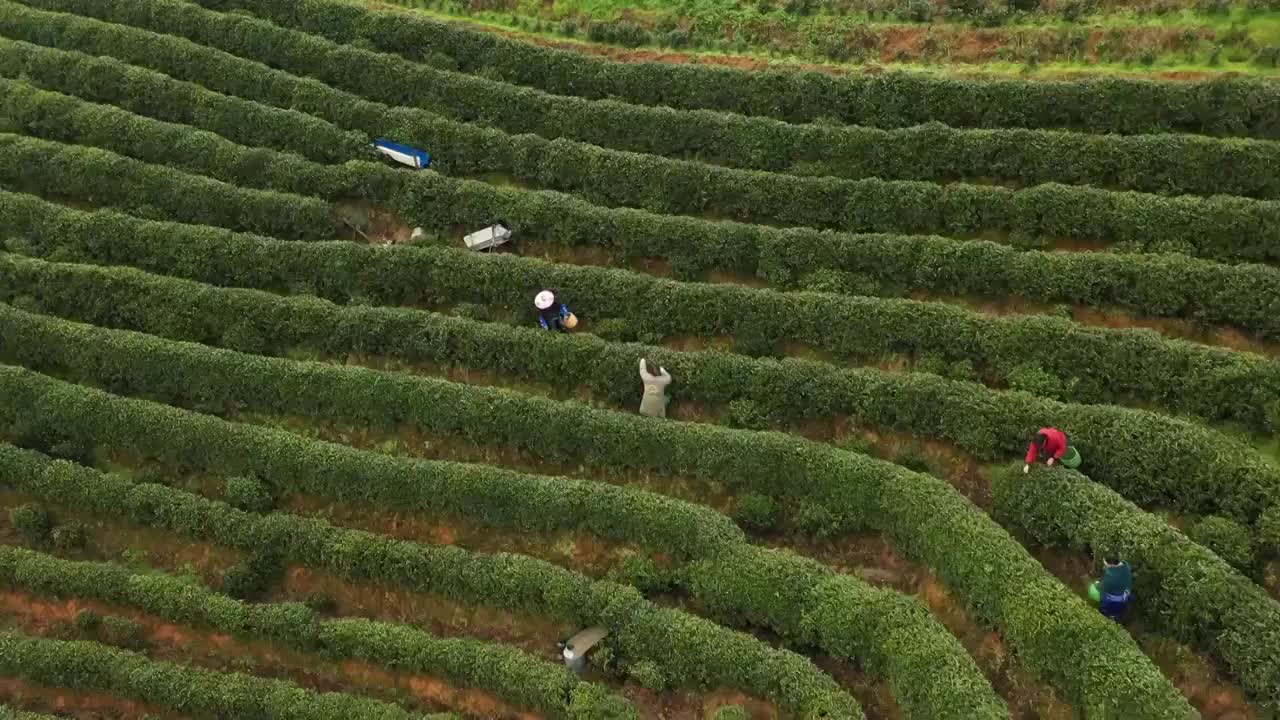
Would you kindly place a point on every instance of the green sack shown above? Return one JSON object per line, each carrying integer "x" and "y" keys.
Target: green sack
{"x": 1094, "y": 594}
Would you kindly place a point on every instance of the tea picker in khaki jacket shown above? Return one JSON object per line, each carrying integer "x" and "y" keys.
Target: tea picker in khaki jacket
{"x": 655, "y": 399}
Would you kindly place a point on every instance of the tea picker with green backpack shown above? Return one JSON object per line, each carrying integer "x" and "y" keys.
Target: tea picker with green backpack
{"x": 1115, "y": 590}
{"x": 1050, "y": 444}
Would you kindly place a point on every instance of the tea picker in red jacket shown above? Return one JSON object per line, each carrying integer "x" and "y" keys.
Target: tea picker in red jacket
{"x": 1050, "y": 444}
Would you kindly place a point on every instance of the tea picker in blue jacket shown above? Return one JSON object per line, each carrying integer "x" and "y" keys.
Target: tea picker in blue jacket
{"x": 553, "y": 314}
{"x": 1115, "y": 590}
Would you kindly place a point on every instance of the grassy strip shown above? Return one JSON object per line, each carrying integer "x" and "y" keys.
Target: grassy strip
{"x": 194, "y": 691}
{"x": 893, "y": 635}
{"x": 1192, "y": 591}
{"x": 8, "y": 713}
{"x": 1227, "y": 226}
{"x": 99, "y": 176}
{"x": 688, "y": 650}
{"x": 1234, "y": 106}
{"x": 509, "y": 673}
{"x": 1161, "y": 285}
{"x": 64, "y": 119}
{"x": 925, "y": 516}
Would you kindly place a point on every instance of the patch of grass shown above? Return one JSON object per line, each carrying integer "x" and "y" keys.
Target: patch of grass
{"x": 768, "y": 30}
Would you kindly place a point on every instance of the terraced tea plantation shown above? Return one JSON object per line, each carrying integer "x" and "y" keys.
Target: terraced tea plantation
{"x": 275, "y": 443}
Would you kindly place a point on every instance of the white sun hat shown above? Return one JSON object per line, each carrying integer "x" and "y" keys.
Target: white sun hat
{"x": 543, "y": 300}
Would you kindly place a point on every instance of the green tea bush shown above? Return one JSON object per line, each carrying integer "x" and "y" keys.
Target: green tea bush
{"x": 934, "y": 152}
{"x": 756, "y": 512}
{"x": 985, "y": 274}
{"x": 1269, "y": 528}
{"x": 1187, "y": 377}
{"x": 649, "y": 675}
{"x": 1034, "y": 379}
{"x": 63, "y": 118}
{"x": 88, "y": 621}
{"x": 641, "y": 573}
{"x": 1230, "y": 540}
{"x": 762, "y": 467}
{"x": 122, "y": 632}
{"x": 912, "y": 457}
{"x": 252, "y": 578}
{"x": 816, "y": 519}
{"x": 33, "y": 522}
{"x": 244, "y": 338}
{"x": 249, "y": 493}
{"x": 1187, "y": 473}
{"x": 541, "y": 504}
{"x": 69, "y": 536}
{"x": 744, "y": 413}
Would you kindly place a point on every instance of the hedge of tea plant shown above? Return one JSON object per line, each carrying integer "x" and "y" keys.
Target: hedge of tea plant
{"x": 1198, "y": 470}
{"x": 1225, "y": 106}
{"x": 1164, "y": 162}
{"x": 891, "y": 634}
{"x": 1190, "y": 590}
{"x": 1231, "y": 226}
{"x": 189, "y": 690}
{"x": 470, "y": 343}
{"x": 1097, "y": 364}
{"x": 499, "y": 102}
{"x": 64, "y": 119}
{"x": 150, "y": 93}
{"x": 1162, "y": 285}
{"x": 534, "y": 354}
{"x": 101, "y": 177}
{"x": 512, "y": 674}
{"x": 876, "y": 492}
{"x": 1156, "y": 284}
{"x": 1167, "y": 163}
{"x": 690, "y": 650}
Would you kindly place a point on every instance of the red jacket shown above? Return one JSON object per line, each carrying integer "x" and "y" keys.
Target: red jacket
{"x": 1055, "y": 445}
